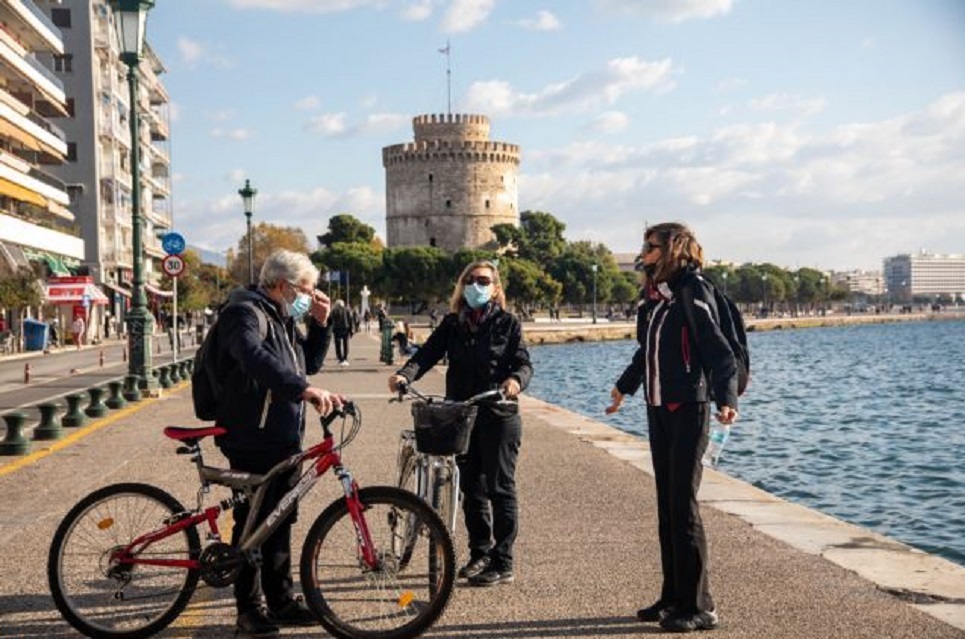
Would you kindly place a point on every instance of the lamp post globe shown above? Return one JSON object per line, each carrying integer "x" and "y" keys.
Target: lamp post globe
{"x": 130, "y": 24}
{"x": 248, "y": 194}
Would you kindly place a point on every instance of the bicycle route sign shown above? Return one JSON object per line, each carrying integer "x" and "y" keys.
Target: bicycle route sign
{"x": 173, "y": 243}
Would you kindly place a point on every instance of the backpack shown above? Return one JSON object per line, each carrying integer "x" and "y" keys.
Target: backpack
{"x": 731, "y": 324}
{"x": 206, "y": 387}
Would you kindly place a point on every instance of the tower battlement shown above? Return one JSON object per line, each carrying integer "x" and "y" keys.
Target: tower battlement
{"x": 452, "y": 127}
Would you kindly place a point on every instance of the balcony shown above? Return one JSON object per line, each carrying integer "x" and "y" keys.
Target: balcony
{"x": 36, "y": 75}
{"x": 31, "y": 26}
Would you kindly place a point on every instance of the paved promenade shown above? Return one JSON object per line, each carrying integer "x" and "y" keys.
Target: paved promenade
{"x": 587, "y": 551}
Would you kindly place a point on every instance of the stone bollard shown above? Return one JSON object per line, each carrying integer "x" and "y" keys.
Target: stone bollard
{"x": 96, "y": 407}
{"x": 173, "y": 374}
{"x": 74, "y": 417}
{"x": 163, "y": 380}
{"x": 116, "y": 400}
{"x": 14, "y": 443}
{"x": 131, "y": 392}
{"x": 49, "y": 427}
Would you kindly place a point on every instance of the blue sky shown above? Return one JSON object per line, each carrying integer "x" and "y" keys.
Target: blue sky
{"x": 819, "y": 133}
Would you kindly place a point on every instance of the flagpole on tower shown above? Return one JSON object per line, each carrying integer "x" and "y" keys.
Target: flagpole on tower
{"x": 448, "y": 79}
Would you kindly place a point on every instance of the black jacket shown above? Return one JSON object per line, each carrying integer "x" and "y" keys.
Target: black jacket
{"x": 478, "y": 361}
{"x": 671, "y": 367}
{"x": 264, "y": 379}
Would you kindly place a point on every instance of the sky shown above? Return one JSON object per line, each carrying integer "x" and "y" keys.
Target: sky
{"x": 821, "y": 134}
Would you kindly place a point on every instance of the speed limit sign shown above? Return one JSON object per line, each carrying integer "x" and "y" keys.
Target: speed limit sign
{"x": 173, "y": 265}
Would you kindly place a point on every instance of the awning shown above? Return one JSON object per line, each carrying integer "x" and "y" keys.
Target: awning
{"x": 13, "y": 256}
{"x": 153, "y": 290}
{"x": 126, "y": 292}
{"x": 74, "y": 293}
{"x": 17, "y": 192}
{"x": 54, "y": 262}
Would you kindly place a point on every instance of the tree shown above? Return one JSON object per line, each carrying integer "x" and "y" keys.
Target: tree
{"x": 266, "y": 239}
{"x": 200, "y": 285}
{"x": 21, "y": 290}
{"x": 527, "y": 284}
{"x": 416, "y": 274}
{"x": 346, "y": 229}
{"x": 362, "y": 262}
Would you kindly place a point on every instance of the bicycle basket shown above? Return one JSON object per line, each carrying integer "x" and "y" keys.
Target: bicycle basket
{"x": 442, "y": 429}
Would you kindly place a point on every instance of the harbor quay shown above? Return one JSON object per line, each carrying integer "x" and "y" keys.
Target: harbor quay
{"x": 586, "y": 558}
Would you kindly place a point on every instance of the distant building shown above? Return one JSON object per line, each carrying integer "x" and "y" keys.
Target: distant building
{"x": 870, "y": 283}
{"x": 451, "y": 185}
{"x": 924, "y": 274}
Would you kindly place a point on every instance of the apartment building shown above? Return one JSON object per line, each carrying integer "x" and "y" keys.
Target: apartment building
{"x": 38, "y": 230}
{"x": 924, "y": 275}
{"x": 98, "y": 168}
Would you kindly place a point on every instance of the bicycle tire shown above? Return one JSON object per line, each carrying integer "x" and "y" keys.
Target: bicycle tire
{"x": 352, "y": 602}
{"x": 408, "y": 481}
{"x": 442, "y": 494}
{"x": 88, "y": 593}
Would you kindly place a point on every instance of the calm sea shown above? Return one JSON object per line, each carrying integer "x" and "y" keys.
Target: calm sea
{"x": 863, "y": 423}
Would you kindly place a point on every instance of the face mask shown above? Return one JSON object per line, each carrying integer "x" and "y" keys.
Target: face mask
{"x": 299, "y": 306}
{"x": 476, "y": 295}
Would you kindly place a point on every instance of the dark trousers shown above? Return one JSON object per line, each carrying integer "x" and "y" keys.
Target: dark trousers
{"x": 273, "y": 579}
{"x": 487, "y": 477}
{"x": 341, "y": 346}
{"x": 677, "y": 442}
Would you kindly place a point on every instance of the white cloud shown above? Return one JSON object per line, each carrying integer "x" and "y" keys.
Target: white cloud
{"x": 231, "y": 134}
{"x": 601, "y": 87}
{"x": 544, "y": 21}
{"x": 417, "y": 11}
{"x": 336, "y": 124}
{"x": 673, "y": 11}
{"x": 610, "y": 122}
{"x": 194, "y": 54}
{"x": 305, "y": 6}
{"x": 731, "y": 84}
{"x": 308, "y": 103}
{"x": 788, "y": 102}
{"x": 466, "y": 15}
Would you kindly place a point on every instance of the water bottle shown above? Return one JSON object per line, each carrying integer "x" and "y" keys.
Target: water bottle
{"x": 718, "y": 437}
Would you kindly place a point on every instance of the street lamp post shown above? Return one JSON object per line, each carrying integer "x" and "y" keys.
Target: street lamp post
{"x": 131, "y": 19}
{"x": 594, "y": 267}
{"x": 248, "y": 198}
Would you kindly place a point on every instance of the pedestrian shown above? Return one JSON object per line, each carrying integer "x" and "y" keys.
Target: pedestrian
{"x": 682, "y": 370}
{"x": 77, "y": 329}
{"x": 265, "y": 360}
{"x": 485, "y": 347}
{"x": 367, "y": 321}
{"x": 342, "y": 330}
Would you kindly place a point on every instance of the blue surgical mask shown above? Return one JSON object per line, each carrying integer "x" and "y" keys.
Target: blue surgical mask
{"x": 300, "y": 305}
{"x": 477, "y": 295}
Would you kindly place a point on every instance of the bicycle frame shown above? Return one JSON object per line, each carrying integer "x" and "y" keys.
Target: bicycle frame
{"x": 427, "y": 466}
{"x": 325, "y": 457}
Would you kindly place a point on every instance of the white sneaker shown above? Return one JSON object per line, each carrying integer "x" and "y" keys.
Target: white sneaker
{"x": 343, "y": 363}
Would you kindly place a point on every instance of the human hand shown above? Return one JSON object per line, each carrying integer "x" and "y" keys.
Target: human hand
{"x": 726, "y": 415}
{"x": 323, "y": 401}
{"x": 395, "y": 381}
{"x": 617, "y": 398}
{"x": 321, "y": 306}
{"x": 510, "y": 388}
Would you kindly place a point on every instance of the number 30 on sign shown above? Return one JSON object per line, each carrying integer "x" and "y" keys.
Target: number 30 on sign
{"x": 173, "y": 265}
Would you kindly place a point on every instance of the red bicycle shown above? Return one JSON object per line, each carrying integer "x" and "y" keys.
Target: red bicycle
{"x": 127, "y": 558}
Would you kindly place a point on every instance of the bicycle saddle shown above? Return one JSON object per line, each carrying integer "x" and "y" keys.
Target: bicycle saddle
{"x": 183, "y": 433}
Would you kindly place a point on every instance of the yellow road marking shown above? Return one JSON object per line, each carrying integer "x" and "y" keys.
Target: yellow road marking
{"x": 80, "y": 434}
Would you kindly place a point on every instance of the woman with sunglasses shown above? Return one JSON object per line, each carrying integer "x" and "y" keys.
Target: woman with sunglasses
{"x": 682, "y": 369}
{"x": 485, "y": 348}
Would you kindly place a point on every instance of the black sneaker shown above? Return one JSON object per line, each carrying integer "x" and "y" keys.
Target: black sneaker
{"x": 654, "y": 612}
{"x": 474, "y": 567}
{"x": 254, "y": 623}
{"x": 492, "y": 577}
{"x": 690, "y": 621}
{"x": 293, "y": 613}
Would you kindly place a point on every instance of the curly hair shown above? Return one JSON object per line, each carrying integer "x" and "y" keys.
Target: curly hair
{"x": 679, "y": 249}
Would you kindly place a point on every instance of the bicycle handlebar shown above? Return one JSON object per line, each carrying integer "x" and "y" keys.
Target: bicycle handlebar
{"x": 492, "y": 394}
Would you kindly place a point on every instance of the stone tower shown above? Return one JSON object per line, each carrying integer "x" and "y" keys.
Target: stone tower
{"x": 450, "y": 186}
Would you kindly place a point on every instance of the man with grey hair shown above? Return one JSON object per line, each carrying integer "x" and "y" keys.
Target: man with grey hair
{"x": 264, "y": 358}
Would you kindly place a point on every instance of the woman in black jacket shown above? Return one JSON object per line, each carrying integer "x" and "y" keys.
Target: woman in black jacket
{"x": 485, "y": 348}
{"x": 682, "y": 368}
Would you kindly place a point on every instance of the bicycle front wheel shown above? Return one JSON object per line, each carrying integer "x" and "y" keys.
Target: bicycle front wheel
{"x": 101, "y": 597}
{"x": 391, "y": 601}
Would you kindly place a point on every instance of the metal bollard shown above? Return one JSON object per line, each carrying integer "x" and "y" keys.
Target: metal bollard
{"x": 124, "y": 354}
{"x": 15, "y": 443}
{"x": 131, "y": 391}
{"x": 163, "y": 379}
{"x": 96, "y": 407}
{"x": 74, "y": 417}
{"x": 174, "y": 374}
{"x": 100, "y": 359}
{"x": 386, "y": 352}
{"x": 116, "y": 400}
{"x": 26, "y": 373}
{"x": 49, "y": 427}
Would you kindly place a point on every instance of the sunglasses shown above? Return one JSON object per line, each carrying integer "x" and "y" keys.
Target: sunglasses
{"x": 482, "y": 280}
{"x": 650, "y": 246}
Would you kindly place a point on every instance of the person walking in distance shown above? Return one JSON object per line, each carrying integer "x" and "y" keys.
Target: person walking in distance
{"x": 264, "y": 358}
{"x": 77, "y": 329}
{"x": 682, "y": 371}
{"x": 485, "y": 348}
{"x": 342, "y": 330}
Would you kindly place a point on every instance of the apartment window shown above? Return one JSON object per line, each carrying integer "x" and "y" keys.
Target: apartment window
{"x": 64, "y": 63}
{"x": 448, "y": 204}
{"x": 71, "y": 151}
{"x": 60, "y": 17}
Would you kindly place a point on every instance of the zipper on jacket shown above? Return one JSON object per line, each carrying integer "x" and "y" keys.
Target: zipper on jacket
{"x": 685, "y": 347}
{"x": 264, "y": 411}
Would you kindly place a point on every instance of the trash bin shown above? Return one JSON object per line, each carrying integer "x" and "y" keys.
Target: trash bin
{"x": 34, "y": 335}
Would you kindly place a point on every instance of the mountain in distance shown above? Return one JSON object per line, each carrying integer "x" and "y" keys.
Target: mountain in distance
{"x": 209, "y": 257}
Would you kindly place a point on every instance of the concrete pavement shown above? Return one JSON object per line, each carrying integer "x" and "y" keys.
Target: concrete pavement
{"x": 587, "y": 550}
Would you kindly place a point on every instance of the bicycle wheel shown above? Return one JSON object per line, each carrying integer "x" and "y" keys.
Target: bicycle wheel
{"x": 101, "y": 598}
{"x": 353, "y": 601}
